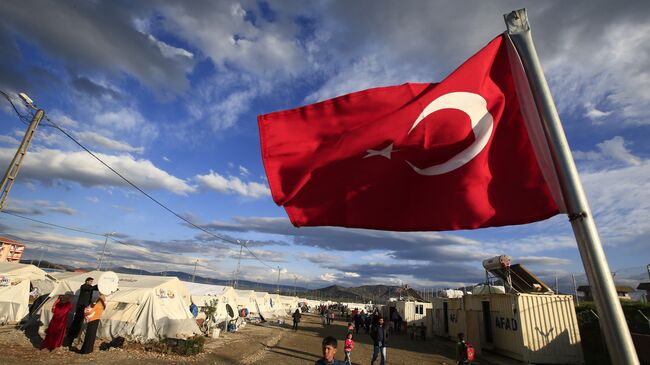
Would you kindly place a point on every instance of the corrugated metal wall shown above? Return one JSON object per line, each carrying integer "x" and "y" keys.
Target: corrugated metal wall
{"x": 549, "y": 328}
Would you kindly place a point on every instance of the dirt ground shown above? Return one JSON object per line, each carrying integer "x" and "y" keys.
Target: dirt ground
{"x": 267, "y": 343}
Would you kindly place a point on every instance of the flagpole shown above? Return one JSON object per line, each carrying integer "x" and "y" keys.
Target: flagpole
{"x": 613, "y": 324}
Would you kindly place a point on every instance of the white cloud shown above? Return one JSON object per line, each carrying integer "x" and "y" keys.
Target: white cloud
{"x": 612, "y": 150}
{"x": 166, "y": 159}
{"x": 170, "y": 51}
{"x": 232, "y": 184}
{"x": 9, "y": 140}
{"x": 328, "y": 277}
{"x": 351, "y": 275}
{"x": 98, "y": 139}
{"x": 50, "y": 164}
{"x": 243, "y": 171}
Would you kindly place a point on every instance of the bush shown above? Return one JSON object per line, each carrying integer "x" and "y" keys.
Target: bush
{"x": 189, "y": 347}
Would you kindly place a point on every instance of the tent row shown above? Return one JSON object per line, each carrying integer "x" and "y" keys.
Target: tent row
{"x": 144, "y": 307}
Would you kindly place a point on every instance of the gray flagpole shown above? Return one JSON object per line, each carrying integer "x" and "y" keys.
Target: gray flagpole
{"x": 613, "y": 324}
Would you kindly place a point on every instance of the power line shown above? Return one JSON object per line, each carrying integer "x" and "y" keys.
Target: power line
{"x": 225, "y": 239}
{"x": 53, "y": 225}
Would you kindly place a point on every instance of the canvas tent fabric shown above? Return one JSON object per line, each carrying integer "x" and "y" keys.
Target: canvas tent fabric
{"x": 144, "y": 308}
{"x": 276, "y": 306}
{"x": 263, "y": 301}
{"x": 203, "y": 294}
{"x": 15, "y": 280}
{"x": 246, "y": 299}
{"x": 289, "y": 304}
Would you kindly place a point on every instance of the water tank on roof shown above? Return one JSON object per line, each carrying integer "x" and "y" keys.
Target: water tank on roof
{"x": 496, "y": 262}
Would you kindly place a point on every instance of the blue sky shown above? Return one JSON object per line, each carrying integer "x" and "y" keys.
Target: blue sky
{"x": 168, "y": 92}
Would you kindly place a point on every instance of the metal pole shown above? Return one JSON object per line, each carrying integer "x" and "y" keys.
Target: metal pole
{"x": 613, "y": 324}
{"x": 41, "y": 257}
{"x": 14, "y": 166}
{"x": 194, "y": 273}
{"x": 241, "y": 248}
{"x": 101, "y": 258}
{"x": 557, "y": 286}
{"x": 278, "y": 279}
{"x": 575, "y": 289}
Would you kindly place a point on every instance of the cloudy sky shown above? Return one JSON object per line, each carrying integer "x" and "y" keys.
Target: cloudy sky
{"x": 167, "y": 93}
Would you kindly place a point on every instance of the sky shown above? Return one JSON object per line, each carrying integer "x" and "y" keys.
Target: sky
{"x": 168, "y": 94}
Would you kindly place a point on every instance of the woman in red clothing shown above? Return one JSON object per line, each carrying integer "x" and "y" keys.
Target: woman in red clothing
{"x": 56, "y": 330}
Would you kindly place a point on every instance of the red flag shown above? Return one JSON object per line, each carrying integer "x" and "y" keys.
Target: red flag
{"x": 413, "y": 157}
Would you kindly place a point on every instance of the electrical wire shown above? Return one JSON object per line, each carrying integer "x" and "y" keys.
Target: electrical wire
{"x": 54, "y": 225}
{"x": 57, "y": 127}
{"x": 225, "y": 239}
{"x": 20, "y": 116}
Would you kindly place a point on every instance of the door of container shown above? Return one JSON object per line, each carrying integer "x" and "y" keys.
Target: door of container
{"x": 487, "y": 321}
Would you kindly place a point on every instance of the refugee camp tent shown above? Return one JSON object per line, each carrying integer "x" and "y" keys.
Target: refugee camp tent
{"x": 15, "y": 281}
{"x": 276, "y": 306}
{"x": 289, "y": 304}
{"x": 203, "y": 294}
{"x": 144, "y": 307}
{"x": 263, "y": 301}
{"x": 246, "y": 299}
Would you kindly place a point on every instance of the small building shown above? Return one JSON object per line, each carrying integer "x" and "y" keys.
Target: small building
{"x": 623, "y": 292}
{"x": 646, "y": 287}
{"x": 10, "y": 250}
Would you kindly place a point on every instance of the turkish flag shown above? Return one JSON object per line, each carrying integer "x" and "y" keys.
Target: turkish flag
{"x": 413, "y": 157}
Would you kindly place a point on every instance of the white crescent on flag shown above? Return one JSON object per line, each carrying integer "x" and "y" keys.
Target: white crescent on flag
{"x": 475, "y": 106}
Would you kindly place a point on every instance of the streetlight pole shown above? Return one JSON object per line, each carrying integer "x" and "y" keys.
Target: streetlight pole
{"x": 278, "y": 280}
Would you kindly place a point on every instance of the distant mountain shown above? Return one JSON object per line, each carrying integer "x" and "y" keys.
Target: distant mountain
{"x": 48, "y": 265}
{"x": 362, "y": 294}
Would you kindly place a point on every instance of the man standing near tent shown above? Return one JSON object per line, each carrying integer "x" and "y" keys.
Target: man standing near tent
{"x": 296, "y": 319}
{"x": 84, "y": 300}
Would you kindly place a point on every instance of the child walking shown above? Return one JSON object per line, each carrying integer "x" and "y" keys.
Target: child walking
{"x": 349, "y": 345}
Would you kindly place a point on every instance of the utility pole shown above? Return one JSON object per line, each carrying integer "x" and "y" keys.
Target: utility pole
{"x": 295, "y": 288}
{"x": 278, "y": 280}
{"x": 575, "y": 289}
{"x": 194, "y": 273}
{"x": 557, "y": 288}
{"x": 41, "y": 257}
{"x": 14, "y": 166}
{"x": 101, "y": 258}
{"x": 241, "y": 248}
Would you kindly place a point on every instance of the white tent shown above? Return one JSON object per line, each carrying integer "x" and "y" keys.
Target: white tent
{"x": 263, "y": 300}
{"x": 15, "y": 280}
{"x": 276, "y": 306}
{"x": 289, "y": 304}
{"x": 144, "y": 307}
{"x": 246, "y": 299}
{"x": 202, "y": 294}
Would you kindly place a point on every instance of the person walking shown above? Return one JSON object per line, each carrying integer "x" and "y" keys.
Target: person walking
{"x": 55, "y": 333}
{"x": 329, "y": 350}
{"x": 85, "y": 297}
{"x": 379, "y": 337}
{"x": 296, "y": 319}
{"x": 92, "y": 316}
{"x": 322, "y": 316}
{"x": 358, "y": 322}
{"x": 349, "y": 345}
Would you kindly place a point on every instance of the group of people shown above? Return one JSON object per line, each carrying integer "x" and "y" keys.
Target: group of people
{"x": 378, "y": 333}
{"x": 86, "y": 310}
{"x": 327, "y": 315}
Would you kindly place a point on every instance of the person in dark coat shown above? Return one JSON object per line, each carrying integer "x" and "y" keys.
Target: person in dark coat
{"x": 296, "y": 319}
{"x": 379, "y": 336}
{"x": 85, "y": 298}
